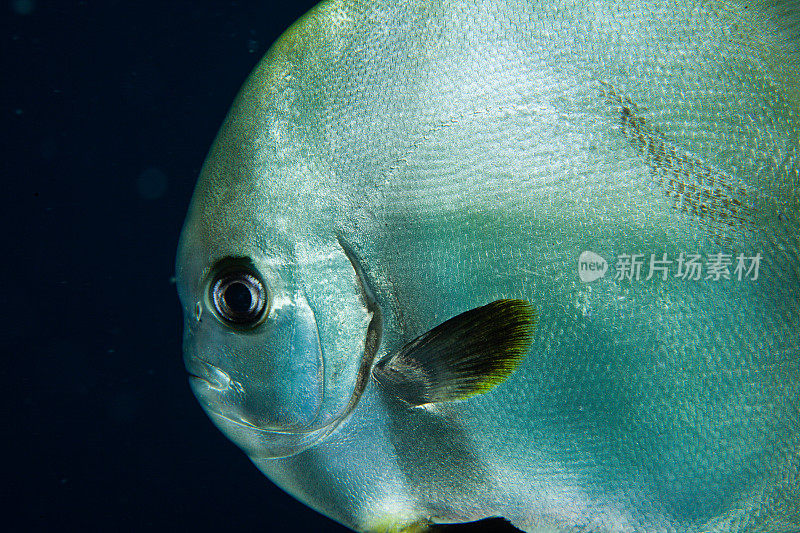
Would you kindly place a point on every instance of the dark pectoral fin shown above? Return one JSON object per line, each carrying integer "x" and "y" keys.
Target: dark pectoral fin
{"x": 466, "y": 355}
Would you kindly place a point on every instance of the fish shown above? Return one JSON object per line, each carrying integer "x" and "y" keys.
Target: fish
{"x": 449, "y": 261}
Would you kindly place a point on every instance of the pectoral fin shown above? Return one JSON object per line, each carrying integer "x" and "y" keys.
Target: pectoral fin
{"x": 467, "y": 355}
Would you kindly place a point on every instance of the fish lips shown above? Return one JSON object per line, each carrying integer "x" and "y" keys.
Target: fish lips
{"x": 222, "y": 399}
{"x": 218, "y": 396}
{"x": 272, "y": 379}
{"x": 277, "y": 414}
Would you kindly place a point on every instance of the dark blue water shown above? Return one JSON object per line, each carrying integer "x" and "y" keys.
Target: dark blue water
{"x": 108, "y": 110}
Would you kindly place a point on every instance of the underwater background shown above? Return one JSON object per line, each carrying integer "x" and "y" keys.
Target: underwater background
{"x": 109, "y": 108}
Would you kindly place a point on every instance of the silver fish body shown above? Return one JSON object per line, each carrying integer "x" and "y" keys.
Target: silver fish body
{"x": 391, "y": 165}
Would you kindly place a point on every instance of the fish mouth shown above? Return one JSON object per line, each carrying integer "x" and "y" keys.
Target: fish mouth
{"x": 215, "y": 377}
{"x": 273, "y": 442}
{"x": 222, "y": 397}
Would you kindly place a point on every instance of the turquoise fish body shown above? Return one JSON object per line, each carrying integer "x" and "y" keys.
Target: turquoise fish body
{"x": 391, "y": 165}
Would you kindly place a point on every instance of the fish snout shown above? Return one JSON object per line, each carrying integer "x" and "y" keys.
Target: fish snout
{"x": 273, "y": 383}
{"x": 264, "y": 422}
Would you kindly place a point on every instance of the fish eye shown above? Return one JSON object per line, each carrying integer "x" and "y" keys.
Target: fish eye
{"x": 237, "y": 294}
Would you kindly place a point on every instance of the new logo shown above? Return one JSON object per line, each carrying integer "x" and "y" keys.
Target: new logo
{"x": 591, "y": 266}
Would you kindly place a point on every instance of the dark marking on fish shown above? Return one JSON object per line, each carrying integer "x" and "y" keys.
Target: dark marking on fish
{"x": 708, "y": 195}
{"x": 437, "y": 458}
{"x": 308, "y": 437}
{"x": 372, "y": 340}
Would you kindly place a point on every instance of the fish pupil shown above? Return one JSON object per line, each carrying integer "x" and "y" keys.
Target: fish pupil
{"x": 238, "y": 298}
